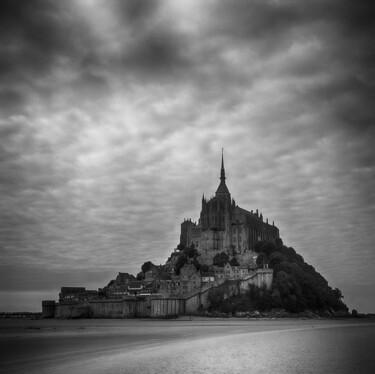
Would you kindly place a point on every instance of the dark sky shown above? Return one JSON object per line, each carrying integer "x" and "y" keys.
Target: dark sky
{"x": 114, "y": 113}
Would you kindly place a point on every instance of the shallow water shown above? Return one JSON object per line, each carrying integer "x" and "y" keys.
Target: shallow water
{"x": 210, "y": 346}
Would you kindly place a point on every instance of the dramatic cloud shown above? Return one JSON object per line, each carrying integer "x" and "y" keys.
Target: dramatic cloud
{"x": 113, "y": 115}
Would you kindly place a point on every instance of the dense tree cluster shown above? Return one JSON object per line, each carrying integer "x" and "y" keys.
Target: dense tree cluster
{"x": 296, "y": 286}
{"x": 187, "y": 254}
{"x": 147, "y": 266}
{"x": 234, "y": 262}
{"x": 220, "y": 259}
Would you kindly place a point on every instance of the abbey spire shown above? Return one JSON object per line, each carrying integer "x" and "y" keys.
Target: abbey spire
{"x": 222, "y": 173}
{"x": 222, "y": 190}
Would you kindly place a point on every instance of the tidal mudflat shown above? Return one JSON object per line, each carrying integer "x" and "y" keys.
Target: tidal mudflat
{"x": 187, "y": 346}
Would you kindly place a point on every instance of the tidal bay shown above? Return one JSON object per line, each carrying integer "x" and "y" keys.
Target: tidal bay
{"x": 187, "y": 346}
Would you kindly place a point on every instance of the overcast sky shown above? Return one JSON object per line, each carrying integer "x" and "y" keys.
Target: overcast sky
{"x": 114, "y": 113}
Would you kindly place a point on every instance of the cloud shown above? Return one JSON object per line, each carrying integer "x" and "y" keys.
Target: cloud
{"x": 114, "y": 114}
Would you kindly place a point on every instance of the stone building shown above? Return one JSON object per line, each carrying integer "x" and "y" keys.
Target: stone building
{"x": 225, "y": 227}
{"x": 180, "y": 285}
{"x": 208, "y": 277}
{"x": 77, "y": 294}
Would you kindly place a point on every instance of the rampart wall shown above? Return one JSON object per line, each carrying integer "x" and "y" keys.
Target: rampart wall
{"x": 130, "y": 308}
{"x": 72, "y": 310}
{"x": 258, "y": 278}
{"x": 106, "y": 309}
{"x": 167, "y": 307}
{"x": 197, "y": 300}
{"x": 149, "y": 307}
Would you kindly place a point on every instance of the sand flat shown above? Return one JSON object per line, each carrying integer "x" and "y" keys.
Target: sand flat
{"x": 184, "y": 345}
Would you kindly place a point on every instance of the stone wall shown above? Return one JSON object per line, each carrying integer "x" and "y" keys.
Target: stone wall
{"x": 167, "y": 307}
{"x": 130, "y": 308}
{"x": 197, "y": 302}
{"x": 258, "y": 278}
{"x": 48, "y": 308}
{"x": 72, "y": 310}
{"x": 106, "y": 308}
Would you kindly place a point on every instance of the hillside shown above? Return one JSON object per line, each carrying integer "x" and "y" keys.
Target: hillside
{"x": 296, "y": 286}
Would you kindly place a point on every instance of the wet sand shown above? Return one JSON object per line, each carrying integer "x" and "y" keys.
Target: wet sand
{"x": 189, "y": 346}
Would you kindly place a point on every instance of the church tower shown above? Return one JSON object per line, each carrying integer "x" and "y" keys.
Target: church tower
{"x": 217, "y": 212}
{"x": 225, "y": 227}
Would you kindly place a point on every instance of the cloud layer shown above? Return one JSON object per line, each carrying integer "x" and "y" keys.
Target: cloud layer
{"x": 113, "y": 115}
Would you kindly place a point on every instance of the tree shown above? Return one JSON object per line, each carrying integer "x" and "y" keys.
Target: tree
{"x": 180, "y": 247}
{"x": 190, "y": 252}
{"x": 234, "y": 262}
{"x": 140, "y": 276}
{"x": 146, "y": 266}
{"x": 261, "y": 259}
{"x": 275, "y": 258}
{"x": 220, "y": 259}
{"x": 279, "y": 242}
{"x": 260, "y": 297}
{"x": 258, "y": 247}
{"x": 110, "y": 283}
{"x": 338, "y": 294}
{"x": 216, "y": 296}
{"x": 268, "y": 247}
{"x": 205, "y": 268}
{"x": 182, "y": 260}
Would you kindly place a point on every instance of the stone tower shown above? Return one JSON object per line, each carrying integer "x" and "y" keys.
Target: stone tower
{"x": 217, "y": 212}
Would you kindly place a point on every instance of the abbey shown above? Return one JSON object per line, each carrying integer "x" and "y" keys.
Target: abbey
{"x": 184, "y": 283}
{"x": 225, "y": 227}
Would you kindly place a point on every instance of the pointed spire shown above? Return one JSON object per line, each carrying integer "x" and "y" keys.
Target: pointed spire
{"x": 222, "y": 173}
{"x": 222, "y": 189}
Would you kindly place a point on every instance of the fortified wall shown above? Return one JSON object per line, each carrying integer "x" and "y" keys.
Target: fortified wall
{"x": 194, "y": 303}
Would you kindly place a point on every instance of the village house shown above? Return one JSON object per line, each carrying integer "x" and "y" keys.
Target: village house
{"x": 69, "y": 294}
{"x": 208, "y": 277}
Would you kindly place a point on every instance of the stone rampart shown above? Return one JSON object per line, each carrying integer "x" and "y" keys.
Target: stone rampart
{"x": 106, "y": 308}
{"x": 127, "y": 308}
{"x": 72, "y": 310}
{"x": 48, "y": 308}
{"x": 167, "y": 307}
{"x": 258, "y": 278}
